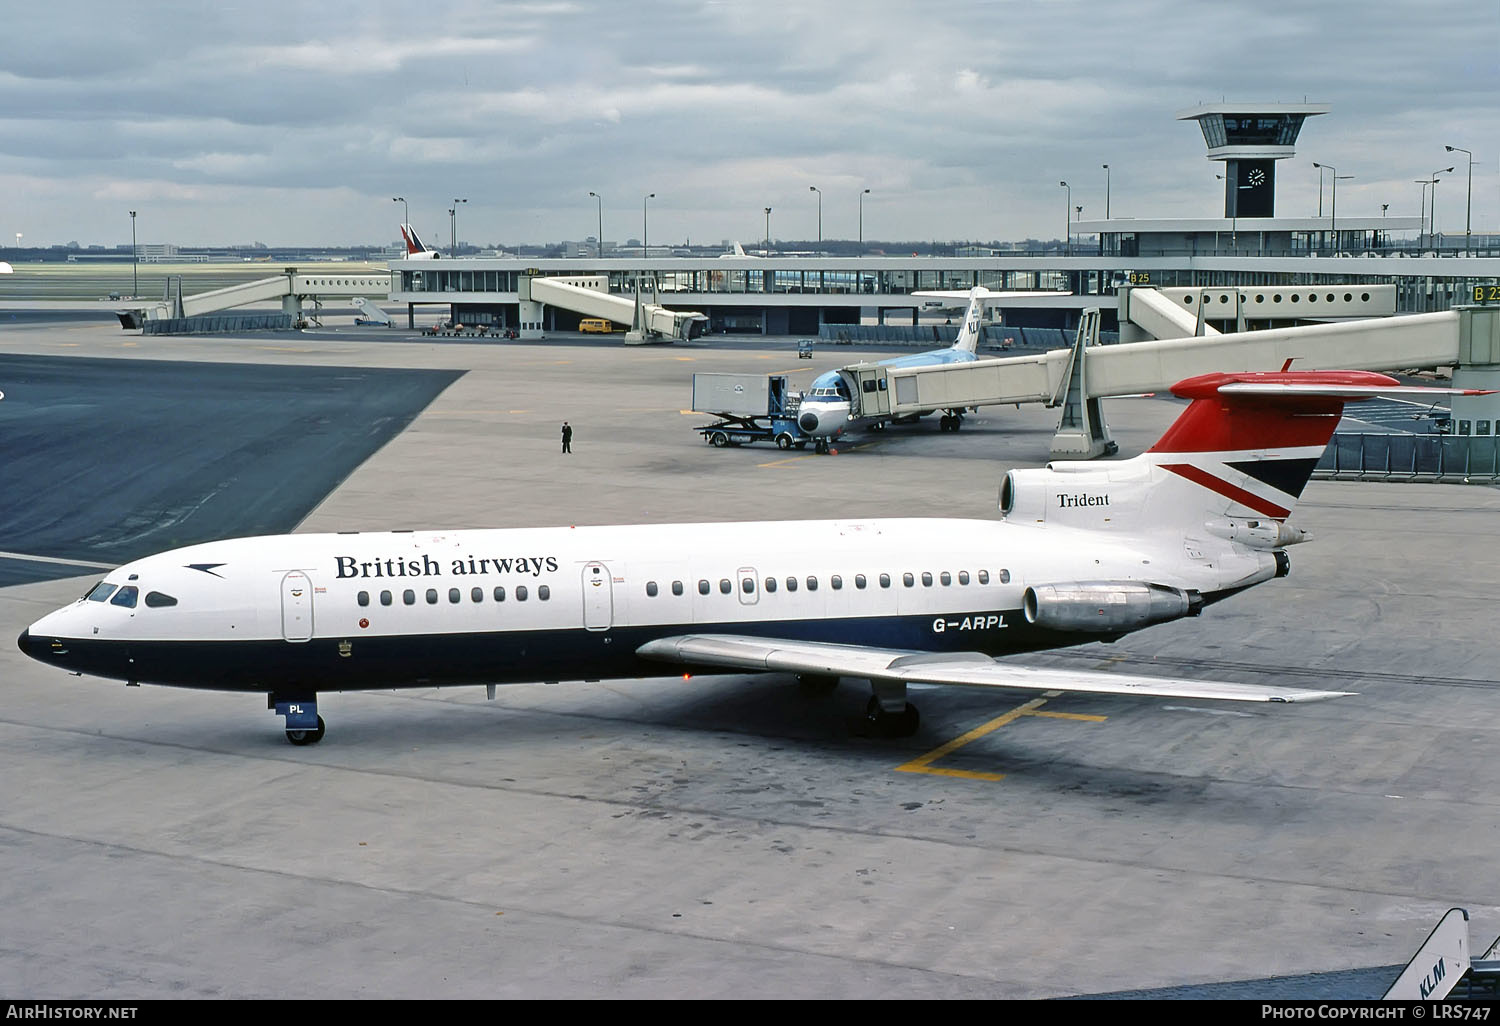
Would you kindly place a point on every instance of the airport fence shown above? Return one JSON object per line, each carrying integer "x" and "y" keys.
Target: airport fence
{"x": 215, "y": 323}
{"x": 1405, "y": 457}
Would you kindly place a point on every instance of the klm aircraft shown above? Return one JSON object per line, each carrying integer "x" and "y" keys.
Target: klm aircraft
{"x": 824, "y": 413}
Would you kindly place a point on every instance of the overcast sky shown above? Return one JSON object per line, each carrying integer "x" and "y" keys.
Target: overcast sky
{"x": 295, "y": 123}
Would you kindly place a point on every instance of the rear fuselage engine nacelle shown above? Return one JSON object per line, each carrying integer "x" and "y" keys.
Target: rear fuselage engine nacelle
{"x": 1107, "y": 607}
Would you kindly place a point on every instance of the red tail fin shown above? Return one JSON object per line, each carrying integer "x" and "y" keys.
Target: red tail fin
{"x": 1266, "y": 410}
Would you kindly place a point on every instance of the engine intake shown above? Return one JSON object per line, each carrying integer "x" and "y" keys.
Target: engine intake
{"x": 1107, "y": 607}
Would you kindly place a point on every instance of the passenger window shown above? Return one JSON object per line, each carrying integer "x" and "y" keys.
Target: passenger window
{"x": 101, "y": 592}
{"x": 812, "y": 584}
{"x": 385, "y": 598}
{"x": 836, "y": 582}
{"x": 748, "y": 585}
{"x": 1004, "y": 576}
{"x": 499, "y": 594}
{"x": 859, "y": 581}
{"x": 676, "y": 587}
{"x": 543, "y": 592}
{"x": 791, "y": 584}
{"x": 945, "y": 578}
{"x": 984, "y": 577}
{"x": 770, "y": 584}
{"x": 963, "y": 577}
{"x": 477, "y": 595}
{"x": 926, "y": 579}
{"x": 885, "y": 580}
{"x": 520, "y": 593}
{"x": 455, "y": 596}
{"x": 156, "y": 600}
{"x": 363, "y": 598}
{"x": 432, "y": 596}
{"x": 651, "y": 589}
{"x": 908, "y": 580}
{"x": 703, "y": 588}
{"x": 409, "y": 597}
{"x": 125, "y": 597}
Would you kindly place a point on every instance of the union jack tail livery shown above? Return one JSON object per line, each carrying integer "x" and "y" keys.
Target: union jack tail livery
{"x": 1237, "y": 458}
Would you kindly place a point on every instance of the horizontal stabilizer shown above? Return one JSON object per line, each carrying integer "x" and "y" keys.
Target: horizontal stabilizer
{"x": 971, "y": 669}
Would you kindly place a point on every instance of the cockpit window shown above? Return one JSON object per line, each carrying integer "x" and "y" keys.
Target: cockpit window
{"x": 125, "y": 597}
{"x": 101, "y": 592}
{"x": 158, "y": 599}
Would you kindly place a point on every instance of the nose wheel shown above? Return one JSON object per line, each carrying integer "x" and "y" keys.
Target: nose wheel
{"x": 304, "y": 736}
{"x": 303, "y": 724}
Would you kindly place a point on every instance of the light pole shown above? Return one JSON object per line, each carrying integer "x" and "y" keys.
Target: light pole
{"x": 1333, "y": 224}
{"x": 1234, "y": 215}
{"x": 406, "y": 217}
{"x": 453, "y": 226}
{"x": 1068, "y": 221}
{"x": 648, "y": 196}
{"x": 1106, "y": 190}
{"x": 1432, "y": 208}
{"x": 768, "y": 229}
{"x": 599, "y": 200}
{"x": 1422, "y": 211}
{"x": 862, "y": 196}
{"x": 814, "y": 188}
{"x": 135, "y": 276}
{"x": 1469, "y": 199}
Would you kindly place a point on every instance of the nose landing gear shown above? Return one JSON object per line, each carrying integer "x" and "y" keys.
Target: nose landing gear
{"x": 303, "y": 724}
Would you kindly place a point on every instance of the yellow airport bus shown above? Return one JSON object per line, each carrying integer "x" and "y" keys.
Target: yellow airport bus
{"x": 595, "y": 324}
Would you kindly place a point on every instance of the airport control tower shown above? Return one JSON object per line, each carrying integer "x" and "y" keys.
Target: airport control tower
{"x": 1250, "y": 139}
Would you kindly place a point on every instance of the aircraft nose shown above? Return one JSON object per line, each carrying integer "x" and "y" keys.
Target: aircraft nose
{"x": 808, "y": 422}
{"x": 24, "y": 642}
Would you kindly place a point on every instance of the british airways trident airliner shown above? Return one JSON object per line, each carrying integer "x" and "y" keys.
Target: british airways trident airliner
{"x": 1080, "y": 552}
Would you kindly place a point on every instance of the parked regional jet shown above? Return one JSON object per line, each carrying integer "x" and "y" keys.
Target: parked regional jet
{"x": 416, "y": 249}
{"x": 824, "y": 413}
{"x": 1082, "y": 552}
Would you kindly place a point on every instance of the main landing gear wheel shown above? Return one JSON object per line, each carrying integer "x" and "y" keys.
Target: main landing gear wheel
{"x": 306, "y": 737}
{"x": 889, "y": 724}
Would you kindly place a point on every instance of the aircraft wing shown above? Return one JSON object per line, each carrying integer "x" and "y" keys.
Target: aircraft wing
{"x": 974, "y": 669}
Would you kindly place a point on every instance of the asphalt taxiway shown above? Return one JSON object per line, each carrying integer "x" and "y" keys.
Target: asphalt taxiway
{"x": 727, "y": 836}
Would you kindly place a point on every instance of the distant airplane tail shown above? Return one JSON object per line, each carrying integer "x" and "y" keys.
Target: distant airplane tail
{"x": 1233, "y": 464}
{"x": 971, "y": 332}
{"x": 416, "y": 249}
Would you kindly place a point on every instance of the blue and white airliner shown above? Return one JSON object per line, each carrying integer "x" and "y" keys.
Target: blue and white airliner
{"x": 824, "y": 413}
{"x": 1080, "y": 552}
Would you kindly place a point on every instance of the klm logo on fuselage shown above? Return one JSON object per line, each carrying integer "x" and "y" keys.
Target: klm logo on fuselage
{"x": 1066, "y": 501}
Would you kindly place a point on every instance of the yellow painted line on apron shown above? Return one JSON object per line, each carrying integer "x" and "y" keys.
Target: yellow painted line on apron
{"x": 789, "y": 459}
{"x": 923, "y": 763}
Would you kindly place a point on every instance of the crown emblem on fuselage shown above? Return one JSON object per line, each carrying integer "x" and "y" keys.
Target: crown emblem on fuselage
{"x": 345, "y": 648}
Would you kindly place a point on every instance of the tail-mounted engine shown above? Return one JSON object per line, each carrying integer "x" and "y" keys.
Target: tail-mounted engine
{"x": 1107, "y": 607}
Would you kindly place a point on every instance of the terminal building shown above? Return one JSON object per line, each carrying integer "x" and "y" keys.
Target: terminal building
{"x": 871, "y": 297}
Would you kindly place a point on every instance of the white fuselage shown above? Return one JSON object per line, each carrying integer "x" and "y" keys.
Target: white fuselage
{"x": 379, "y": 610}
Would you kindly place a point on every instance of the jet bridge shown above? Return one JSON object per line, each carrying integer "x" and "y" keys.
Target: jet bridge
{"x": 291, "y": 287}
{"x": 1077, "y": 378}
{"x": 588, "y": 295}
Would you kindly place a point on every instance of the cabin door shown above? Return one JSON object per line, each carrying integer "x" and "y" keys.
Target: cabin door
{"x": 296, "y": 607}
{"x": 598, "y": 597}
